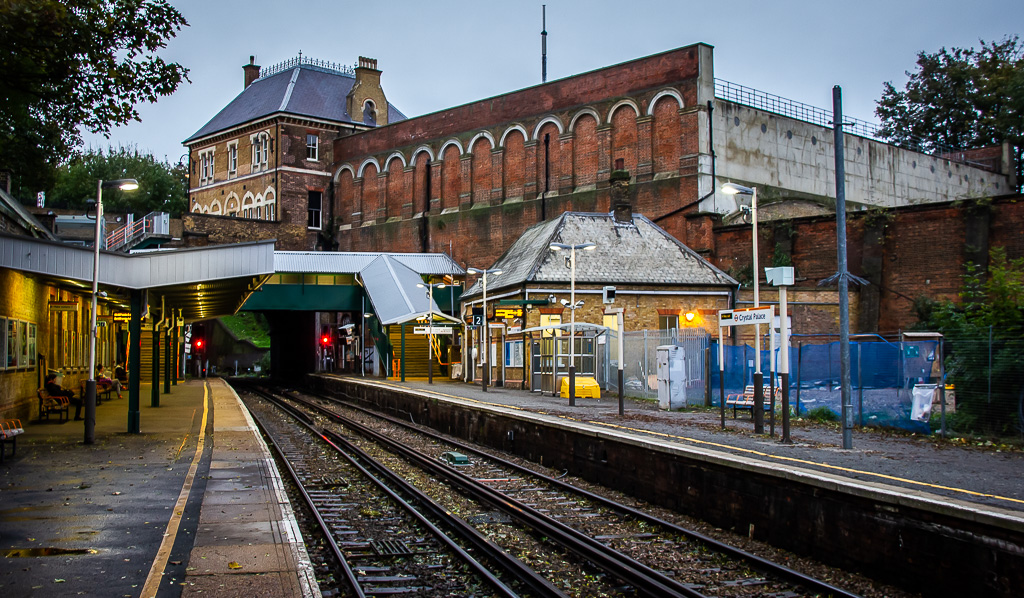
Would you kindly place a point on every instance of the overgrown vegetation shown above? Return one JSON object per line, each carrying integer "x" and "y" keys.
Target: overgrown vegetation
{"x": 249, "y": 326}
{"x": 822, "y": 415}
{"x": 985, "y": 342}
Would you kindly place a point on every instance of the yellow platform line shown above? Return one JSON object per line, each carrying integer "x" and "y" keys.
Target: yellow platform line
{"x": 156, "y": 572}
{"x": 731, "y": 448}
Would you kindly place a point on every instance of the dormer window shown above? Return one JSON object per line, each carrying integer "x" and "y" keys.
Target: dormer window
{"x": 369, "y": 113}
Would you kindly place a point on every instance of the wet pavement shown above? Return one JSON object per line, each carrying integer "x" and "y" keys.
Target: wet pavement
{"x": 93, "y": 520}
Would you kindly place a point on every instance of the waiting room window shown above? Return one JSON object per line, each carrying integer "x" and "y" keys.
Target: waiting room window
{"x": 315, "y": 204}
{"x": 312, "y": 146}
{"x": 668, "y": 322}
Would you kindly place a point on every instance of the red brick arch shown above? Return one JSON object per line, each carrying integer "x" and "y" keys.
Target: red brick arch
{"x": 624, "y": 136}
{"x": 586, "y": 150}
{"x": 481, "y": 170}
{"x": 344, "y": 204}
{"x": 451, "y": 173}
{"x": 515, "y": 164}
{"x": 553, "y": 158}
{"x": 396, "y": 189}
{"x": 372, "y": 207}
{"x": 667, "y": 135}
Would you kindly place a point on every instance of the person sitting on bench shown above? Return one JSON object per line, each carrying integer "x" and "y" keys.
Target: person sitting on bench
{"x": 56, "y": 390}
{"x": 102, "y": 380}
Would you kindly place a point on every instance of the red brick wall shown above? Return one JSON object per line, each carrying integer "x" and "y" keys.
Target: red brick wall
{"x": 451, "y": 172}
{"x": 585, "y": 145}
{"x": 631, "y": 78}
{"x": 923, "y": 254}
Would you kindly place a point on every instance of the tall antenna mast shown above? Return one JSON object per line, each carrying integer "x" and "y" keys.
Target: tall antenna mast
{"x": 544, "y": 44}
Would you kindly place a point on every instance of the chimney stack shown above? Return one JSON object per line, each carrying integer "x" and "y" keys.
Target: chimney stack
{"x": 622, "y": 205}
{"x": 252, "y": 72}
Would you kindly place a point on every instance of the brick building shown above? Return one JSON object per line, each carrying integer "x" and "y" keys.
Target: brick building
{"x": 470, "y": 180}
{"x": 261, "y": 168}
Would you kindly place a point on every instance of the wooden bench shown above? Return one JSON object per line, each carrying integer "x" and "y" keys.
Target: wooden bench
{"x": 10, "y": 429}
{"x": 101, "y": 391}
{"x": 745, "y": 400}
{"x": 49, "y": 404}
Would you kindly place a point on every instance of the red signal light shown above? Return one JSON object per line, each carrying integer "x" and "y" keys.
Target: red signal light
{"x": 326, "y": 340}
{"x": 199, "y": 343}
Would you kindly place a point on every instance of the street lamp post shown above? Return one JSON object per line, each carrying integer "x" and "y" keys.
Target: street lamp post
{"x": 430, "y": 330}
{"x": 486, "y": 333}
{"x": 572, "y": 301}
{"x": 90, "y": 385}
{"x": 734, "y": 189}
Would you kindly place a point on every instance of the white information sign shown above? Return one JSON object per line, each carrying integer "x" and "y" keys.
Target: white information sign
{"x": 436, "y": 330}
{"x": 741, "y": 317}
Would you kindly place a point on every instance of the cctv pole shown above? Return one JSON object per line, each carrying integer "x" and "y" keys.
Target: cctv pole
{"x": 572, "y": 330}
{"x": 758, "y": 376}
{"x": 784, "y": 364}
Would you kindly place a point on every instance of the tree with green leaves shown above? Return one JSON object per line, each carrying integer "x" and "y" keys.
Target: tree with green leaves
{"x": 985, "y": 341}
{"x": 959, "y": 99}
{"x": 163, "y": 187}
{"x": 74, "y": 65}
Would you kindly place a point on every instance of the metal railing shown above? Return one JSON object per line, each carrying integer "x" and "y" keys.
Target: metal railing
{"x": 154, "y": 223}
{"x": 322, "y": 65}
{"x": 761, "y": 100}
{"x": 791, "y": 108}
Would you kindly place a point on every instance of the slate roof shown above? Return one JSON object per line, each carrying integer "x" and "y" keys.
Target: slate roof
{"x": 636, "y": 253}
{"x": 304, "y": 90}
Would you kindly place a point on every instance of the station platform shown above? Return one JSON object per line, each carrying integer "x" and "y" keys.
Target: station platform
{"x": 987, "y": 476}
{"x": 192, "y": 506}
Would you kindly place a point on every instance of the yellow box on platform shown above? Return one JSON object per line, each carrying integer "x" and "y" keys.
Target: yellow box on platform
{"x": 586, "y": 388}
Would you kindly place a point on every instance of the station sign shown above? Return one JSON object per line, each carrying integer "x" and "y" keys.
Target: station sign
{"x": 63, "y": 306}
{"x": 432, "y": 330}
{"x": 743, "y": 317}
{"x": 508, "y": 312}
{"x": 122, "y": 316}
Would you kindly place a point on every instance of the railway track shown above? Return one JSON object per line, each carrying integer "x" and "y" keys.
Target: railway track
{"x": 634, "y": 553}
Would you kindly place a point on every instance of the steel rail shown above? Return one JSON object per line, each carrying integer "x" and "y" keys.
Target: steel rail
{"x": 511, "y": 565}
{"x": 649, "y": 581}
{"x": 757, "y": 563}
{"x": 324, "y": 528}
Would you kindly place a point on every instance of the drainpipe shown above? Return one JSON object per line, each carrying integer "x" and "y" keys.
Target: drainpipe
{"x": 711, "y": 141}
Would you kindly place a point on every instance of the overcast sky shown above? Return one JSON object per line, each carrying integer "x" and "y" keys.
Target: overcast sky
{"x": 444, "y": 53}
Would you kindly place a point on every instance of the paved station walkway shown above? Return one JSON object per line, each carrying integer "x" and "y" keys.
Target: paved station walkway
{"x": 192, "y": 506}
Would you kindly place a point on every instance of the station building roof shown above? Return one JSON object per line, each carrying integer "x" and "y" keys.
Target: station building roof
{"x": 637, "y": 252}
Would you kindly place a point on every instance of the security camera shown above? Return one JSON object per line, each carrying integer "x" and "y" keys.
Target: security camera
{"x": 565, "y": 302}
{"x": 551, "y": 299}
{"x": 568, "y": 261}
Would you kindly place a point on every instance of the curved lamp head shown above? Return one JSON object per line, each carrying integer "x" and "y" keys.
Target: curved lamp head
{"x": 734, "y": 189}
{"x": 122, "y": 184}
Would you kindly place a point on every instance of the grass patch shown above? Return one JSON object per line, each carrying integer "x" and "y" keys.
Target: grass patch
{"x": 249, "y": 326}
{"x": 822, "y": 415}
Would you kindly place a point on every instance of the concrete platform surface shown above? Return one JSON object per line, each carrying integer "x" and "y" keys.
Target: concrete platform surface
{"x": 191, "y": 506}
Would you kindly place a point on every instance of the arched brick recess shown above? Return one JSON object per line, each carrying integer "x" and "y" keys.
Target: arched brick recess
{"x": 515, "y": 165}
{"x": 397, "y": 194}
{"x": 667, "y": 135}
{"x": 552, "y": 159}
{"x": 420, "y": 198}
{"x": 371, "y": 194}
{"x": 451, "y": 172}
{"x": 624, "y": 137}
{"x": 585, "y": 159}
{"x": 481, "y": 171}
